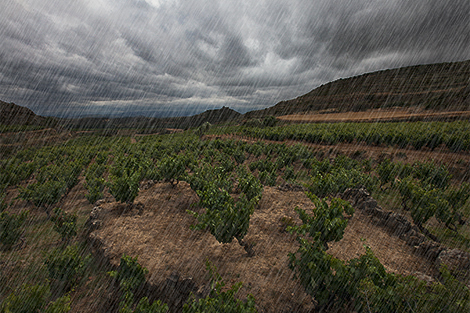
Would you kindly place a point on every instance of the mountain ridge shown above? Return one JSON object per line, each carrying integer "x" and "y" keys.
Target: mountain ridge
{"x": 439, "y": 86}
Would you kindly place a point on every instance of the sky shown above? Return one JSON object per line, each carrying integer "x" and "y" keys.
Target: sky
{"x": 75, "y": 58}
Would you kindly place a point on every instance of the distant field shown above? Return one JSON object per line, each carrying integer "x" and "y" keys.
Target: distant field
{"x": 374, "y": 115}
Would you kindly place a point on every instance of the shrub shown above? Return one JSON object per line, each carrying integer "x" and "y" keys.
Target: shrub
{"x": 34, "y": 298}
{"x": 43, "y": 195}
{"x": 11, "y": 228}
{"x": 27, "y": 299}
{"x": 249, "y": 184}
{"x": 67, "y": 265}
{"x": 65, "y": 224}
{"x": 95, "y": 187}
{"x": 173, "y": 169}
{"x": 218, "y": 300}
{"x": 125, "y": 188}
{"x": 130, "y": 273}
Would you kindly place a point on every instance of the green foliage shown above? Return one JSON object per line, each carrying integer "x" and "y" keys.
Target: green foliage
{"x": 125, "y": 176}
{"x": 224, "y": 217}
{"x": 269, "y": 121}
{"x": 65, "y": 224}
{"x": 3, "y": 203}
{"x": 289, "y": 174}
{"x": 409, "y": 294}
{"x": 249, "y": 185}
{"x": 95, "y": 170}
{"x": 11, "y": 228}
{"x": 218, "y": 300}
{"x": 239, "y": 155}
{"x": 67, "y": 265}
{"x": 426, "y": 201}
{"x": 330, "y": 178}
{"x": 130, "y": 273}
{"x": 228, "y": 221}
{"x": 262, "y": 165}
{"x": 125, "y": 188}
{"x": 388, "y": 171}
{"x": 61, "y": 305}
{"x": 338, "y": 180}
{"x": 455, "y": 135}
{"x": 95, "y": 187}
{"x": 336, "y": 284}
{"x": 206, "y": 175}
{"x": 95, "y": 182}
{"x": 143, "y": 306}
{"x": 362, "y": 284}
{"x": 173, "y": 169}
{"x": 27, "y": 299}
{"x": 15, "y": 170}
{"x": 34, "y": 298}
{"x": 43, "y": 195}
{"x": 203, "y": 129}
{"x": 268, "y": 178}
{"x": 214, "y": 197}
{"x": 431, "y": 174}
{"x": 327, "y": 222}
{"x": 456, "y": 199}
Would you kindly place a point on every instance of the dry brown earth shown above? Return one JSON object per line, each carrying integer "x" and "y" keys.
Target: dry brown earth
{"x": 375, "y": 115}
{"x": 162, "y": 239}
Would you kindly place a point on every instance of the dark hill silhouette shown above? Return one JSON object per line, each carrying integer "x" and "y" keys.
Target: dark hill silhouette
{"x": 217, "y": 116}
{"x": 12, "y": 114}
{"x": 442, "y": 86}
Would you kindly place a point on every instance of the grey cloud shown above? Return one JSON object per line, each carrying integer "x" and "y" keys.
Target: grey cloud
{"x": 65, "y": 55}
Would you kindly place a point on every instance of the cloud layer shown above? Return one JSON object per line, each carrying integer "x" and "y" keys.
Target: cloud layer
{"x": 171, "y": 57}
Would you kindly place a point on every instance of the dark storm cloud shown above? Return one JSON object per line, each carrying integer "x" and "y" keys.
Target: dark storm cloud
{"x": 86, "y": 57}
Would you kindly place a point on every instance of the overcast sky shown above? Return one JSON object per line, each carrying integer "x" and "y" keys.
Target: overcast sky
{"x": 151, "y": 57}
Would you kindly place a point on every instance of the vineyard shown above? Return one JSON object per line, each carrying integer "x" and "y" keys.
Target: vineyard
{"x": 234, "y": 219}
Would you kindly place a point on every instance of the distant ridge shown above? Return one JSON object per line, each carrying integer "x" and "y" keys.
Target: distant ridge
{"x": 216, "y": 116}
{"x": 442, "y": 86}
{"x": 12, "y": 114}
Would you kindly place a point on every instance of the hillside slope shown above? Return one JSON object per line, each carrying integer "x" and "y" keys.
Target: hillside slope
{"x": 443, "y": 86}
{"x": 212, "y": 116}
{"x": 12, "y": 114}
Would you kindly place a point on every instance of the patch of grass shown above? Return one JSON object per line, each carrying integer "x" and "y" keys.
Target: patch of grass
{"x": 456, "y": 240}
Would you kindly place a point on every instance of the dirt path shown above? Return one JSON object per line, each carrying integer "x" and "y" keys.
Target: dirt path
{"x": 376, "y": 115}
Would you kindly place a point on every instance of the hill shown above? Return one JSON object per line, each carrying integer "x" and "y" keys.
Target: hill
{"x": 442, "y": 87}
{"x": 12, "y": 114}
{"x": 212, "y": 116}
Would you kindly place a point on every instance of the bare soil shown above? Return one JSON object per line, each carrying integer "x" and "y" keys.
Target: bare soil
{"x": 162, "y": 239}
